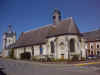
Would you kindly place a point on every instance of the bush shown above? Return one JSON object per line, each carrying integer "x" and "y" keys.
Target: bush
{"x": 83, "y": 59}
{"x": 61, "y": 60}
{"x": 35, "y": 58}
{"x": 75, "y": 57}
{"x": 47, "y": 59}
{"x": 11, "y": 54}
{"x": 52, "y": 59}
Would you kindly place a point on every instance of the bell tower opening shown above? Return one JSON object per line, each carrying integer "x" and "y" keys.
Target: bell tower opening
{"x": 10, "y": 28}
{"x": 56, "y": 16}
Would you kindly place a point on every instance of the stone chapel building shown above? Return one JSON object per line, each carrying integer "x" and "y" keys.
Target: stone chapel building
{"x": 61, "y": 40}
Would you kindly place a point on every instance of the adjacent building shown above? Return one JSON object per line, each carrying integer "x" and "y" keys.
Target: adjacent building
{"x": 92, "y": 43}
{"x": 8, "y": 39}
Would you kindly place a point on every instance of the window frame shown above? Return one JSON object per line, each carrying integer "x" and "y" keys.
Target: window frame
{"x": 72, "y": 42}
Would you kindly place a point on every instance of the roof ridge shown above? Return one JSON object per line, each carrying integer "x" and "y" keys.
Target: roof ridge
{"x": 92, "y": 30}
{"x": 47, "y": 25}
{"x": 68, "y": 18}
{"x": 39, "y": 28}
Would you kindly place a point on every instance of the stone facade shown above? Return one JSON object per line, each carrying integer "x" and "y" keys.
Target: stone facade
{"x": 92, "y": 43}
{"x": 61, "y": 48}
{"x": 93, "y": 48}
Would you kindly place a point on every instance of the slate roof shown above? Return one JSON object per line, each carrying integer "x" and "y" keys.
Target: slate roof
{"x": 67, "y": 26}
{"x": 38, "y": 36}
{"x": 92, "y": 35}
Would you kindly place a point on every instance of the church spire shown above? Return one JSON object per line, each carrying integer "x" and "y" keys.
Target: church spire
{"x": 56, "y": 16}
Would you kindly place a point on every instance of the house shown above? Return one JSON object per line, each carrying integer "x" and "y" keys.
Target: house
{"x": 60, "y": 40}
{"x": 92, "y": 40}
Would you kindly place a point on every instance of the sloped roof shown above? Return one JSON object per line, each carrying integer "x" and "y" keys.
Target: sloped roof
{"x": 66, "y": 26}
{"x": 38, "y": 36}
{"x": 92, "y": 35}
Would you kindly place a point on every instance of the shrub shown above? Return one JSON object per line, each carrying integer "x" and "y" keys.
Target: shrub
{"x": 83, "y": 58}
{"x": 11, "y": 54}
{"x": 26, "y": 56}
{"x": 53, "y": 59}
{"x": 35, "y": 58}
{"x": 75, "y": 57}
{"x": 62, "y": 60}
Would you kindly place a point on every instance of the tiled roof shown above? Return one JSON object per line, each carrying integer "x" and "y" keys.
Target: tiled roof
{"x": 66, "y": 26}
{"x": 92, "y": 35}
{"x": 38, "y": 36}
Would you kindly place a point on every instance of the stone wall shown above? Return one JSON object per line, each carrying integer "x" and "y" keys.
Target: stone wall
{"x": 61, "y": 46}
{"x": 64, "y": 49}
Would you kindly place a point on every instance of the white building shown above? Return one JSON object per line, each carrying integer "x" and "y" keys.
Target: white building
{"x": 61, "y": 40}
{"x": 8, "y": 39}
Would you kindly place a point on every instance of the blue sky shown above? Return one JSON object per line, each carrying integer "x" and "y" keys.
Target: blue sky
{"x": 26, "y": 15}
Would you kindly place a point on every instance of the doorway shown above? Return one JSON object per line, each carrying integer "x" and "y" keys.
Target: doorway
{"x": 62, "y": 56}
{"x": 26, "y": 56}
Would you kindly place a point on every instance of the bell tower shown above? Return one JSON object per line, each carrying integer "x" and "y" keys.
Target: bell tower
{"x": 10, "y": 29}
{"x": 8, "y": 39}
{"x": 56, "y": 16}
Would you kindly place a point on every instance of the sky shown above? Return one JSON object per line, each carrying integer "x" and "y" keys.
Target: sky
{"x": 25, "y": 15}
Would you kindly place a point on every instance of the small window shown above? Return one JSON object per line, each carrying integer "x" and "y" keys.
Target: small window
{"x": 88, "y": 52}
{"x": 54, "y": 17}
{"x": 97, "y": 46}
{"x": 98, "y": 53}
{"x": 91, "y": 46}
{"x": 60, "y": 17}
{"x": 91, "y": 52}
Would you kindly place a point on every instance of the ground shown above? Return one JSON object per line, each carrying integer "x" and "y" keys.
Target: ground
{"x": 12, "y": 67}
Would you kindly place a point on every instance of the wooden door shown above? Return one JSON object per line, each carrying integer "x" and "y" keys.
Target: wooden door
{"x": 62, "y": 56}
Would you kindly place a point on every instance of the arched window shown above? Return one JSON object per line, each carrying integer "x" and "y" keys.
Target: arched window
{"x": 52, "y": 46}
{"x": 61, "y": 45}
{"x": 54, "y": 17}
{"x": 72, "y": 45}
